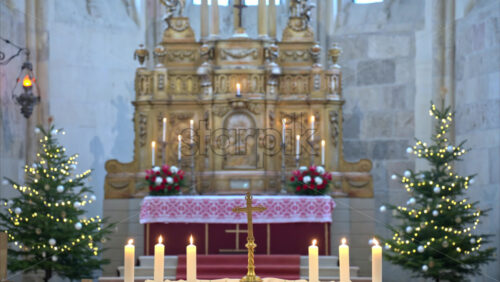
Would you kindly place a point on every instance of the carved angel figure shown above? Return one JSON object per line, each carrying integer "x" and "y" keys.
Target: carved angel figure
{"x": 301, "y": 9}
{"x": 173, "y": 6}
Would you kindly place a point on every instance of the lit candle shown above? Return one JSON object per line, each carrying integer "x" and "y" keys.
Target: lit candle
{"x": 297, "y": 148}
{"x": 312, "y": 127}
{"x": 376, "y": 261}
{"x": 153, "y": 148}
{"x": 238, "y": 89}
{"x": 159, "y": 261}
{"x": 129, "y": 262}
{"x": 344, "y": 262}
{"x": 323, "y": 152}
{"x": 179, "y": 137}
{"x": 191, "y": 123}
{"x": 191, "y": 261}
{"x": 313, "y": 262}
{"x": 164, "y": 129}
{"x": 283, "y": 128}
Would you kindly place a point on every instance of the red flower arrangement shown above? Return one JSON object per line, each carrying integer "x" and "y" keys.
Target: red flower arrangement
{"x": 313, "y": 180}
{"x": 165, "y": 180}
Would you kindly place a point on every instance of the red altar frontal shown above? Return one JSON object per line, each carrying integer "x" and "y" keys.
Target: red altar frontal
{"x": 287, "y": 226}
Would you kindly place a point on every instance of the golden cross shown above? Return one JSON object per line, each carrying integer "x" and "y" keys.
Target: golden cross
{"x": 249, "y": 209}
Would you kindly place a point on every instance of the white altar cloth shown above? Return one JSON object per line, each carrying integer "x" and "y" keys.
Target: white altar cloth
{"x": 218, "y": 209}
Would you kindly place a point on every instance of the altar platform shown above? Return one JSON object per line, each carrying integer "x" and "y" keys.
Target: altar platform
{"x": 328, "y": 269}
{"x": 287, "y": 226}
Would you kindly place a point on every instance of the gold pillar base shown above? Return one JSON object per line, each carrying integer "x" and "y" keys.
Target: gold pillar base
{"x": 252, "y": 278}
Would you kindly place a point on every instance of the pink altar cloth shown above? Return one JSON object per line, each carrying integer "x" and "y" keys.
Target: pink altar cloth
{"x": 218, "y": 209}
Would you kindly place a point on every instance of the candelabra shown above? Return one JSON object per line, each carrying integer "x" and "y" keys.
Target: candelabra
{"x": 283, "y": 168}
{"x": 192, "y": 189}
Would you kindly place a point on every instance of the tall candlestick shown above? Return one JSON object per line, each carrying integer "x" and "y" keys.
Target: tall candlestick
{"x": 283, "y": 129}
{"x": 297, "y": 147}
{"x": 191, "y": 261}
{"x": 376, "y": 262}
{"x": 153, "y": 148}
{"x": 164, "y": 135}
{"x": 179, "y": 156}
{"x": 313, "y": 262}
{"x": 238, "y": 89}
{"x": 191, "y": 129}
{"x": 312, "y": 127}
{"x": 344, "y": 262}
{"x": 159, "y": 261}
{"x": 129, "y": 261}
{"x": 323, "y": 152}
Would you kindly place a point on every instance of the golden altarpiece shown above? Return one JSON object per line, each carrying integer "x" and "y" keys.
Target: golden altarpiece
{"x": 238, "y": 91}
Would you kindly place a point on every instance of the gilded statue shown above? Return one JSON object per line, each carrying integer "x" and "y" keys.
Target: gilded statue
{"x": 174, "y": 8}
{"x": 301, "y": 9}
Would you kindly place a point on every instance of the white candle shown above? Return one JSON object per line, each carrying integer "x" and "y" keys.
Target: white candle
{"x": 297, "y": 148}
{"x": 191, "y": 261}
{"x": 191, "y": 123}
{"x": 238, "y": 89}
{"x": 153, "y": 148}
{"x": 164, "y": 129}
{"x": 159, "y": 261}
{"x": 312, "y": 128}
{"x": 129, "y": 263}
{"x": 283, "y": 128}
{"x": 179, "y": 137}
{"x": 313, "y": 262}
{"x": 344, "y": 262}
{"x": 376, "y": 262}
{"x": 323, "y": 152}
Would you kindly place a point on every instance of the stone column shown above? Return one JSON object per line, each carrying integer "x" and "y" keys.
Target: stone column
{"x": 272, "y": 18}
{"x": 262, "y": 18}
{"x": 204, "y": 19}
{"x": 214, "y": 27}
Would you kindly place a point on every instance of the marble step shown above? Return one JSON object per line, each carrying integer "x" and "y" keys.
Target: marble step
{"x": 142, "y": 278}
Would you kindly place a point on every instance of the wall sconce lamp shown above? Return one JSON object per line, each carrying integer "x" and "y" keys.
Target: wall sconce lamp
{"x": 26, "y": 82}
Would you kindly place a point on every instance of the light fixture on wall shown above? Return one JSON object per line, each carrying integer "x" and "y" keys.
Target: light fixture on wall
{"x": 26, "y": 83}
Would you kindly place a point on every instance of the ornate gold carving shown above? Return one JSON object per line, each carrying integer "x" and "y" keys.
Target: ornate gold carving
{"x": 184, "y": 84}
{"x": 142, "y": 124}
{"x": 181, "y": 56}
{"x": 334, "y": 127}
{"x": 143, "y": 83}
{"x": 226, "y": 83}
{"x": 178, "y": 30}
{"x": 180, "y": 116}
{"x": 294, "y": 84}
{"x": 239, "y": 54}
{"x": 221, "y": 110}
{"x": 141, "y": 54}
{"x": 295, "y": 55}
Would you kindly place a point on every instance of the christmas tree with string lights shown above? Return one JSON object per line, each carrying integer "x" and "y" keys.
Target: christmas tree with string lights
{"x": 46, "y": 222}
{"x": 436, "y": 236}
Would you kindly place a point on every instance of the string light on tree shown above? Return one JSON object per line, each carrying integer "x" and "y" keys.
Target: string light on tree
{"x": 437, "y": 219}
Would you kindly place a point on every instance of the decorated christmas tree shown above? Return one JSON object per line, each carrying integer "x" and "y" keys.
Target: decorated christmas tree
{"x": 436, "y": 236}
{"x": 46, "y": 222}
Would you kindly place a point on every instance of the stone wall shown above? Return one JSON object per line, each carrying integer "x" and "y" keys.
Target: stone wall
{"x": 477, "y": 105}
{"x": 378, "y": 62}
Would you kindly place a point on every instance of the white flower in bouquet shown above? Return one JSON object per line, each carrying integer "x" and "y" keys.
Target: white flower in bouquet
{"x": 170, "y": 180}
{"x": 307, "y": 179}
{"x": 303, "y": 168}
{"x": 318, "y": 180}
{"x": 320, "y": 169}
{"x": 156, "y": 169}
{"x": 174, "y": 169}
{"x": 158, "y": 180}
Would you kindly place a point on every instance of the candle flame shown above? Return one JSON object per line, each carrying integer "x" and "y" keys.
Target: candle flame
{"x": 160, "y": 239}
{"x": 191, "y": 239}
{"x": 298, "y": 137}
{"x": 375, "y": 242}
{"x": 165, "y": 119}
{"x": 284, "y": 121}
{"x": 323, "y": 143}
{"x": 153, "y": 144}
{"x": 314, "y": 242}
{"x": 27, "y": 81}
{"x": 344, "y": 241}
{"x": 238, "y": 86}
{"x": 313, "y": 118}
{"x": 179, "y": 137}
{"x": 131, "y": 241}
{"x": 191, "y": 122}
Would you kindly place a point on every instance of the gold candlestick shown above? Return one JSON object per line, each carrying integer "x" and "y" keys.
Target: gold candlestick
{"x": 250, "y": 245}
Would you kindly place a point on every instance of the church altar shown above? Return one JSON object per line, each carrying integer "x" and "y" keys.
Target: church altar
{"x": 218, "y": 229}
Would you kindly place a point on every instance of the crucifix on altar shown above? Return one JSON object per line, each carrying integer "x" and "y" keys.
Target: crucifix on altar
{"x": 238, "y": 17}
{"x": 249, "y": 209}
